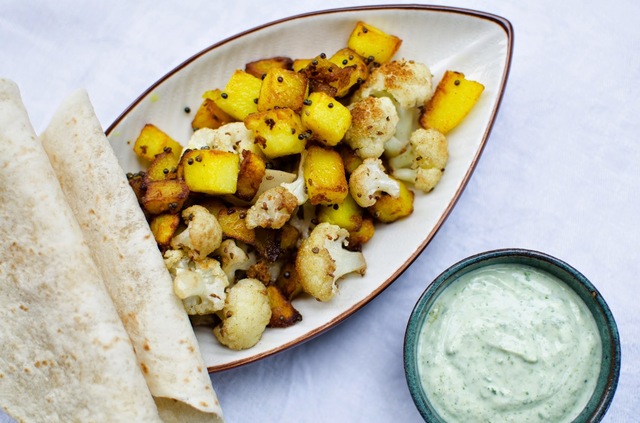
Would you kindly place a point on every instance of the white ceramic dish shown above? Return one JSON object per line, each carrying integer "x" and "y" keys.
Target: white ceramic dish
{"x": 475, "y": 43}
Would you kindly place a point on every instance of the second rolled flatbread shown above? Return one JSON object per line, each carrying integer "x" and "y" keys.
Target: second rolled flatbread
{"x": 125, "y": 250}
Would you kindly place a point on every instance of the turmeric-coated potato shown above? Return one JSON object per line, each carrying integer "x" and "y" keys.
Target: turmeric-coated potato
{"x": 163, "y": 227}
{"x": 259, "y": 68}
{"x": 324, "y": 176}
{"x": 166, "y": 195}
{"x": 452, "y": 101}
{"x": 210, "y": 171}
{"x": 327, "y": 118}
{"x": 372, "y": 43}
{"x": 209, "y": 114}
{"x": 278, "y": 132}
{"x": 388, "y": 209}
{"x": 283, "y": 88}
{"x": 240, "y": 96}
{"x": 153, "y": 141}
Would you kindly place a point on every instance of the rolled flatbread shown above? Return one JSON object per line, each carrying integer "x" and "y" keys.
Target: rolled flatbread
{"x": 125, "y": 250}
{"x": 64, "y": 353}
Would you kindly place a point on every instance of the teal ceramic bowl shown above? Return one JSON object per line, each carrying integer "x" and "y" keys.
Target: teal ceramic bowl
{"x": 610, "y": 365}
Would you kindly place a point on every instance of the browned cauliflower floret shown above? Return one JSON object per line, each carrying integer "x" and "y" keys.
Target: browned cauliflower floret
{"x": 202, "y": 235}
{"x": 232, "y": 137}
{"x": 234, "y": 258}
{"x": 272, "y": 209}
{"x": 369, "y": 180}
{"x": 407, "y": 82}
{"x": 322, "y": 260}
{"x": 245, "y": 315}
{"x": 373, "y": 123}
{"x": 424, "y": 162}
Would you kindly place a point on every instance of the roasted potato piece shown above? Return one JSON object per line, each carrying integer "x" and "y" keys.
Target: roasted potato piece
{"x": 167, "y": 195}
{"x": 289, "y": 236}
{"x": 209, "y": 114}
{"x": 388, "y": 209}
{"x": 300, "y": 64}
{"x": 327, "y": 118}
{"x": 349, "y": 157}
{"x": 153, "y": 141}
{"x": 372, "y": 43}
{"x": 252, "y": 170}
{"x": 210, "y": 171}
{"x": 164, "y": 166}
{"x": 259, "y": 68}
{"x": 324, "y": 176}
{"x": 325, "y": 76}
{"x": 347, "y": 214}
{"x": 288, "y": 282}
{"x": 362, "y": 235}
{"x": 283, "y": 314}
{"x": 451, "y": 102}
{"x": 278, "y": 132}
{"x": 268, "y": 244}
{"x": 240, "y": 95}
{"x": 163, "y": 227}
{"x": 232, "y": 221}
{"x": 283, "y": 88}
{"x": 137, "y": 182}
{"x": 348, "y": 58}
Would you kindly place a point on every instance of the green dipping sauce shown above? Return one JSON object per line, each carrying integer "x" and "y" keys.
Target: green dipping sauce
{"x": 509, "y": 343}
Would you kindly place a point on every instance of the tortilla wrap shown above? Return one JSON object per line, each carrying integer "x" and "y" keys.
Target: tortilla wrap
{"x": 132, "y": 266}
{"x": 64, "y": 353}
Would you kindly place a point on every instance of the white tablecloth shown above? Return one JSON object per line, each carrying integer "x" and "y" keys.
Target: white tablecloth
{"x": 560, "y": 173}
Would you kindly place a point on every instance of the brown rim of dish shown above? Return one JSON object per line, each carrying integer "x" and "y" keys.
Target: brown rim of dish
{"x": 500, "y": 21}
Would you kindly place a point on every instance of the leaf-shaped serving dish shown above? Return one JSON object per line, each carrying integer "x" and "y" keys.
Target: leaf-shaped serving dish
{"x": 474, "y": 43}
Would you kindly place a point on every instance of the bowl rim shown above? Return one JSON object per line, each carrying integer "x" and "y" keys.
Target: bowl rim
{"x": 598, "y": 405}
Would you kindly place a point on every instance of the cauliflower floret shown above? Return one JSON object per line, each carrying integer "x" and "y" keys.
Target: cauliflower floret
{"x": 321, "y": 261}
{"x": 245, "y": 315}
{"x": 298, "y": 187}
{"x": 407, "y": 82}
{"x": 424, "y": 162}
{"x": 272, "y": 209}
{"x": 199, "y": 284}
{"x": 373, "y": 123}
{"x": 232, "y": 137}
{"x": 202, "y": 235}
{"x": 369, "y": 180}
{"x": 234, "y": 258}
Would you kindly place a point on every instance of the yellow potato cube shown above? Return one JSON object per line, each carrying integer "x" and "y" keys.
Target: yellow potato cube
{"x": 240, "y": 96}
{"x": 327, "y": 118}
{"x": 259, "y": 68}
{"x": 283, "y": 88}
{"x": 388, "y": 209}
{"x": 167, "y": 195}
{"x": 452, "y": 101}
{"x": 153, "y": 141}
{"x": 327, "y": 77}
{"x": 210, "y": 171}
{"x": 278, "y": 132}
{"x": 233, "y": 223}
{"x": 210, "y": 115}
{"x": 349, "y": 58}
{"x": 324, "y": 176}
{"x": 362, "y": 235}
{"x": 164, "y": 227}
{"x": 299, "y": 64}
{"x": 252, "y": 170}
{"x": 164, "y": 166}
{"x": 372, "y": 43}
{"x": 347, "y": 214}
